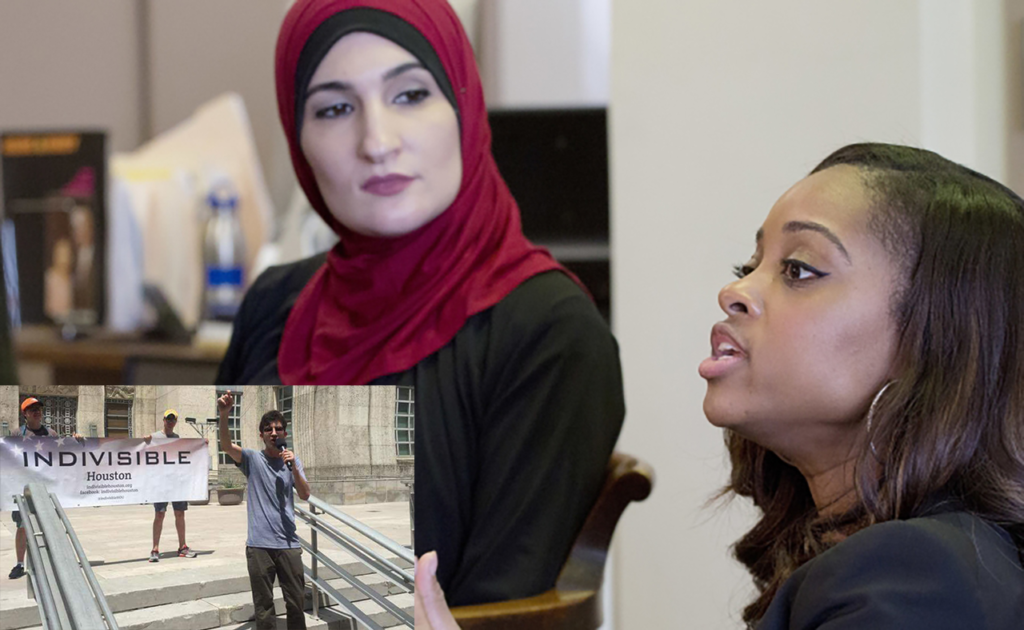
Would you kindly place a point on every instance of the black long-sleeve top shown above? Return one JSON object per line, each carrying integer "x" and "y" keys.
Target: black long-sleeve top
{"x": 516, "y": 418}
{"x": 949, "y": 570}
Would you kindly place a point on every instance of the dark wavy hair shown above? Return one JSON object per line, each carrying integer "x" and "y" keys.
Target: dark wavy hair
{"x": 951, "y": 426}
{"x": 273, "y": 416}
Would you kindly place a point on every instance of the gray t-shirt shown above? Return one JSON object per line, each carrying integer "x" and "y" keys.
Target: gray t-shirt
{"x": 270, "y": 506}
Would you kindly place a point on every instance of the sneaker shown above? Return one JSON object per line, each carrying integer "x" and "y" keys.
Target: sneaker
{"x": 185, "y": 552}
{"x": 154, "y": 556}
{"x": 17, "y": 572}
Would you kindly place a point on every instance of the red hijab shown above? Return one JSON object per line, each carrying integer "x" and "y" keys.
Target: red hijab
{"x": 381, "y": 305}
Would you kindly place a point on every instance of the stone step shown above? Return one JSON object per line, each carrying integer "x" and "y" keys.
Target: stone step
{"x": 371, "y": 608}
{"x": 132, "y": 593}
{"x": 196, "y": 615}
{"x": 236, "y": 609}
{"x": 127, "y": 594}
{"x": 312, "y": 623}
{"x": 405, "y": 601}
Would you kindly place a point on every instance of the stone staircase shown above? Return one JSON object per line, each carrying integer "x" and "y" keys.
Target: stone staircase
{"x": 219, "y": 598}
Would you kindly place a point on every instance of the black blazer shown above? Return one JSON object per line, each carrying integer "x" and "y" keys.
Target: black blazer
{"x": 945, "y": 571}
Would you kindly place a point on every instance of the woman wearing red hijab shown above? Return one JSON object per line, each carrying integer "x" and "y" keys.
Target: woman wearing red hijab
{"x": 433, "y": 285}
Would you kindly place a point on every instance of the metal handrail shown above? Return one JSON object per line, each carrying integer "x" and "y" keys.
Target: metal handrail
{"x": 382, "y": 540}
{"x": 73, "y": 579}
{"x": 43, "y": 594}
{"x": 75, "y": 593}
{"x": 90, "y": 576}
{"x": 381, "y": 565}
{"x": 335, "y": 594}
{"x": 345, "y": 603}
{"x": 351, "y": 579}
{"x": 369, "y": 557}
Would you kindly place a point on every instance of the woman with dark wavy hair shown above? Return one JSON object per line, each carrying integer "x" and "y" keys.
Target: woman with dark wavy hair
{"x": 870, "y": 378}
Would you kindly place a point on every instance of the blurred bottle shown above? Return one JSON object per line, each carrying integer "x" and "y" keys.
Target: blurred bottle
{"x": 223, "y": 253}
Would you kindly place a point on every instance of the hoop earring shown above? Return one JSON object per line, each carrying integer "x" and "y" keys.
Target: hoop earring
{"x": 871, "y": 416}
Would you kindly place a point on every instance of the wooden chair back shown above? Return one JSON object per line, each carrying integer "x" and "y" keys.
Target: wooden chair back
{"x": 575, "y": 602}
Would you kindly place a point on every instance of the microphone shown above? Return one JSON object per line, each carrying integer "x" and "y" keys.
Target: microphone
{"x": 282, "y": 444}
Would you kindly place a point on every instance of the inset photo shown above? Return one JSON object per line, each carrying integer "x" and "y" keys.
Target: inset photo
{"x": 206, "y": 507}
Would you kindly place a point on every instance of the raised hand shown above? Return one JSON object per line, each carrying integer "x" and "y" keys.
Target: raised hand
{"x": 225, "y": 402}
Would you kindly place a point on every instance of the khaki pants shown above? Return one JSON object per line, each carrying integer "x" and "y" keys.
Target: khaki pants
{"x": 286, "y": 565}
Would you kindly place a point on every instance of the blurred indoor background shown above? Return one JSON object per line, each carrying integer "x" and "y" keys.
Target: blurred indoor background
{"x": 198, "y": 192}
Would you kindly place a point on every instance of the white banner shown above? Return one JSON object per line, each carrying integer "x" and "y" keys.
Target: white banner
{"x": 104, "y": 471}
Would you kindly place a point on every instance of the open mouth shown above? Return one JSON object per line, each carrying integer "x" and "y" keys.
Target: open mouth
{"x": 726, "y": 353}
{"x": 725, "y": 349}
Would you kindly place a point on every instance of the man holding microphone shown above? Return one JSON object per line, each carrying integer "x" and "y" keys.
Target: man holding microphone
{"x": 272, "y": 547}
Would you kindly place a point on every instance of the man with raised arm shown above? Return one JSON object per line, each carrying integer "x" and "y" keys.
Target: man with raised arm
{"x": 272, "y": 547}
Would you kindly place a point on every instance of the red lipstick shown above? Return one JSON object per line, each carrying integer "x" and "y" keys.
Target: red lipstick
{"x": 387, "y": 185}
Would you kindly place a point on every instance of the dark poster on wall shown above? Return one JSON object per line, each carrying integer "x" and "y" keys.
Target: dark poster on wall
{"x": 54, "y": 197}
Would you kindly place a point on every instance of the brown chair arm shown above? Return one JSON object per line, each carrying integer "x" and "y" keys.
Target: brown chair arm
{"x": 551, "y": 610}
{"x": 628, "y": 480}
{"x": 574, "y": 603}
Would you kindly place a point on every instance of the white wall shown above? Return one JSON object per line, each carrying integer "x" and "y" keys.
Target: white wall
{"x": 964, "y": 82}
{"x": 1013, "y": 71}
{"x": 717, "y": 108}
{"x": 468, "y": 12}
{"x": 544, "y": 53}
{"x": 70, "y": 64}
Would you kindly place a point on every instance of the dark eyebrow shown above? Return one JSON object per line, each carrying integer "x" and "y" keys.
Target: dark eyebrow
{"x": 341, "y": 86}
{"x": 333, "y": 86}
{"x": 798, "y": 226}
{"x": 405, "y": 67}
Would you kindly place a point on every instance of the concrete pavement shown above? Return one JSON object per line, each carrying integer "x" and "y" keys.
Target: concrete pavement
{"x": 117, "y": 541}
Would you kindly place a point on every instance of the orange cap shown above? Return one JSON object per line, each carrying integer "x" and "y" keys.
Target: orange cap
{"x": 28, "y": 402}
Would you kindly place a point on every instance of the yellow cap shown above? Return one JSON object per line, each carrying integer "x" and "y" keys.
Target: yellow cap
{"x": 171, "y": 412}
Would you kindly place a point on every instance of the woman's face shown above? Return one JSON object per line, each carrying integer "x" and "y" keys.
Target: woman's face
{"x": 381, "y": 138}
{"x": 809, "y": 338}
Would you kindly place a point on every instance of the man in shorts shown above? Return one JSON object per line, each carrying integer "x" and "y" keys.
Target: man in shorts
{"x": 272, "y": 547}
{"x": 170, "y": 420}
{"x": 32, "y": 409}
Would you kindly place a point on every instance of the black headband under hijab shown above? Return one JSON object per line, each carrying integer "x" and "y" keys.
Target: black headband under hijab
{"x": 388, "y": 26}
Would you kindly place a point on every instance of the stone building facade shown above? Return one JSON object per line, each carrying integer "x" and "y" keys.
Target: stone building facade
{"x": 9, "y": 409}
{"x": 346, "y": 437}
